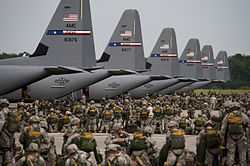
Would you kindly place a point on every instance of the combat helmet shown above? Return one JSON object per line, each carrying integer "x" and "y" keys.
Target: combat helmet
{"x": 34, "y": 119}
{"x": 113, "y": 148}
{"x": 74, "y": 121}
{"x": 173, "y": 124}
{"x": 116, "y": 127}
{"x": 148, "y": 130}
{"x": 72, "y": 148}
{"x": 33, "y": 147}
{"x": 235, "y": 106}
{"x": 209, "y": 123}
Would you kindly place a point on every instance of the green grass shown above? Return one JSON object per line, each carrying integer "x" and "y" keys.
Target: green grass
{"x": 198, "y": 91}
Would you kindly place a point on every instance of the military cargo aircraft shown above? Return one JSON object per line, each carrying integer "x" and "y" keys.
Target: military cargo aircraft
{"x": 67, "y": 41}
{"x": 190, "y": 67}
{"x": 125, "y": 50}
{"x": 164, "y": 61}
{"x": 212, "y": 71}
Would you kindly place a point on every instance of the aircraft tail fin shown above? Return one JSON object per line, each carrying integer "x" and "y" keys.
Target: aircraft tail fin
{"x": 125, "y": 48}
{"x": 207, "y": 62}
{"x": 190, "y": 61}
{"x": 164, "y": 56}
{"x": 222, "y": 66}
{"x": 68, "y": 39}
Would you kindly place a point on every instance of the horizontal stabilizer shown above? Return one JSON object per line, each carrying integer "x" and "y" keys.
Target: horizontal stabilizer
{"x": 63, "y": 70}
{"x": 218, "y": 81}
{"x": 184, "y": 79}
{"x": 160, "y": 77}
{"x": 143, "y": 71}
{"x": 121, "y": 72}
{"x": 203, "y": 79}
{"x": 92, "y": 68}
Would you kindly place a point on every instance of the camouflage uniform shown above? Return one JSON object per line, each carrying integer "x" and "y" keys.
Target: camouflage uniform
{"x": 86, "y": 142}
{"x": 173, "y": 152}
{"x": 138, "y": 149}
{"x": 7, "y": 140}
{"x": 93, "y": 115}
{"x": 72, "y": 129}
{"x": 233, "y": 134}
{"x": 117, "y": 116}
{"x": 208, "y": 146}
{"x": 144, "y": 115}
{"x": 115, "y": 157}
{"x": 157, "y": 120}
{"x": 198, "y": 124}
{"x": 35, "y": 134}
{"x": 77, "y": 157}
{"x": 118, "y": 137}
{"x": 107, "y": 117}
{"x": 33, "y": 158}
{"x": 53, "y": 122}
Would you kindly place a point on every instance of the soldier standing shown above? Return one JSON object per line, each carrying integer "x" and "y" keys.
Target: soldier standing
{"x": 233, "y": 133}
{"x": 208, "y": 146}
{"x": 35, "y": 134}
{"x": 92, "y": 117}
{"x": 86, "y": 142}
{"x": 7, "y": 140}
{"x": 144, "y": 113}
{"x": 157, "y": 120}
{"x": 173, "y": 152}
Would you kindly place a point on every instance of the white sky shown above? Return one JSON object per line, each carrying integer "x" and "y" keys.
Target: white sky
{"x": 225, "y": 24}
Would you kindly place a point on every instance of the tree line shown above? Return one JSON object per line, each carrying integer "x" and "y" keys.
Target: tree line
{"x": 239, "y": 67}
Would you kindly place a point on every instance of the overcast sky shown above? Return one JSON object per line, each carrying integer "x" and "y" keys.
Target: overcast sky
{"x": 225, "y": 24}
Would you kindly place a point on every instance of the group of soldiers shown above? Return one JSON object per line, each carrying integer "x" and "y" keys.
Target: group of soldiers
{"x": 223, "y": 136}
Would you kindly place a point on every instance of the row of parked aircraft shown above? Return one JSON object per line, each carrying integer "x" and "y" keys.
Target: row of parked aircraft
{"x": 65, "y": 63}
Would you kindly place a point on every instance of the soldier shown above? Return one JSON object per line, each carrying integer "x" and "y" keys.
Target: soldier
{"x": 173, "y": 152}
{"x": 86, "y": 142}
{"x": 213, "y": 102}
{"x": 118, "y": 137}
{"x": 208, "y": 146}
{"x": 7, "y": 140}
{"x": 77, "y": 157}
{"x": 72, "y": 129}
{"x": 126, "y": 112}
{"x": 92, "y": 117}
{"x": 35, "y": 134}
{"x": 50, "y": 157}
{"x": 198, "y": 124}
{"x": 117, "y": 112}
{"x": 167, "y": 112}
{"x": 53, "y": 122}
{"x": 152, "y": 147}
{"x": 233, "y": 134}
{"x": 65, "y": 121}
{"x": 157, "y": 120}
{"x": 138, "y": 150}
{"x": 144, "y": 115}
{"x": 107, "y": 117}
{"x": 114, "y": 156}
{"x": 5, "y": 107}
{"x": 191, "y": 112}
{"x": 33, "y": 158}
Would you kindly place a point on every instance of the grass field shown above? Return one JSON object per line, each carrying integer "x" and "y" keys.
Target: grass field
{"x": 198, "y": 91}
